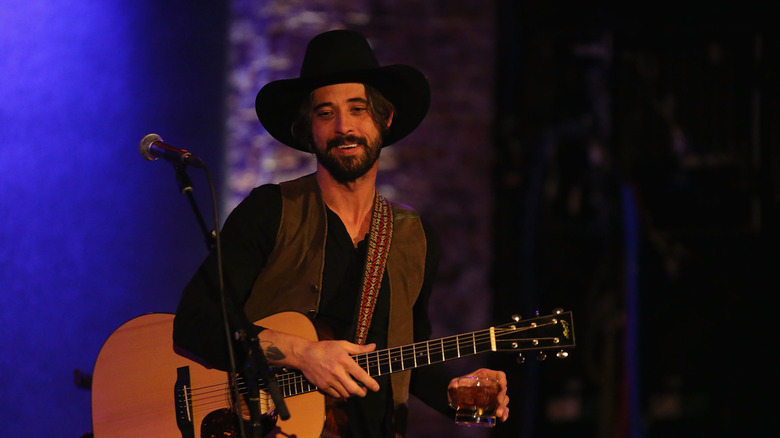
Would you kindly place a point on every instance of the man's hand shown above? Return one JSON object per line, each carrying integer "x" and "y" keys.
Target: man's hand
{"x": 502, "y": 412}
{"x": 326, "y": 364}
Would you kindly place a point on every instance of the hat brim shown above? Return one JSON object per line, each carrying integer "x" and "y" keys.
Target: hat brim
{"x": 278, "y": 102}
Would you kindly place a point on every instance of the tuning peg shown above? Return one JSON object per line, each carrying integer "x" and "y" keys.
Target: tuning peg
{"x": 541, "y": 355}
{"x": 516, "y": 318}
{"x": 562, "y": 354}
{"x": 557, "y": 311}
{"x": 520, "y": 358}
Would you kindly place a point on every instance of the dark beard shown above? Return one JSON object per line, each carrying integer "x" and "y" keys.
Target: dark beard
{"x": 348, "y": 169}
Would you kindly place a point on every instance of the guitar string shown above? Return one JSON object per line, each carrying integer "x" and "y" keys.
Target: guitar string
{"x": 293, "y": 382}
{"x": 406, "y": 355}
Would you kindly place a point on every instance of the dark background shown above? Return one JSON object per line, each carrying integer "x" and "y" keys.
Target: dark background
{"x": 638, "y": 183}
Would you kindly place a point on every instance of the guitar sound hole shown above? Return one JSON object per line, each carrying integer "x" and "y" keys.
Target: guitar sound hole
{"x": 224, "y": 423}
{"x": 219, "y": 424}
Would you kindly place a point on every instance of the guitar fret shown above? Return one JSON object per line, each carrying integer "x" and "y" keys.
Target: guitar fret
{"x": 394, "y": 359}
{"x": 283, "y": 386}
{"x": 305, "y": 386}
{"x": 454, "y": 352}
{"x": 409, "y": 359}
{"x": 367, "y": 365}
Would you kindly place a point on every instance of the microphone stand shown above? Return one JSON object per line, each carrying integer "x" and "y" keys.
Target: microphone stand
{"x": 256, "y": 365}
{"x": 185, "y": 187}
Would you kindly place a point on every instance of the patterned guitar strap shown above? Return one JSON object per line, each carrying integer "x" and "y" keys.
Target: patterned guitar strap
{"x": 380, "y": 235}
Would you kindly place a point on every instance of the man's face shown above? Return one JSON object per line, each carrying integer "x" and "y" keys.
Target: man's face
{"x": 347, "y": 141}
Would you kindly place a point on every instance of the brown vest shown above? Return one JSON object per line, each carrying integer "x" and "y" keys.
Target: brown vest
{"x": 292, "y": 278}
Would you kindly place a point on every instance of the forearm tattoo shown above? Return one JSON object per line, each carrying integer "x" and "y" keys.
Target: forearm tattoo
{"x": 272, "y": 352}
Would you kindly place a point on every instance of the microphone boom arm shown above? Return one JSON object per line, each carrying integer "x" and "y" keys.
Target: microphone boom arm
{"x": 185, "y": 187}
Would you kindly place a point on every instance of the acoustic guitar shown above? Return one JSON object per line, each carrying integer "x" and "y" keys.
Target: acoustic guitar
{"x": 142, "y": 388}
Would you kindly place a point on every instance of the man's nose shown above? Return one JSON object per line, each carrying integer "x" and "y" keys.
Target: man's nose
{"x": 344, "y": 125}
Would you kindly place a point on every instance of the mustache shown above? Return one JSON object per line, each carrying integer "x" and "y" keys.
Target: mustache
{"x": 346, "y": 139}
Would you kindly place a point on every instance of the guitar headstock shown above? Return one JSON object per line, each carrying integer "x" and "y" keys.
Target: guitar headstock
{"x": 554, "y": 331}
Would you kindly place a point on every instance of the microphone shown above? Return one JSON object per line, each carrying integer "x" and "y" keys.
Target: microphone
{"x": 152, "y": 148}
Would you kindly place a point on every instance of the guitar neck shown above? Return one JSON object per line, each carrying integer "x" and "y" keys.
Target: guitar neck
{"x": 543, "y": 332}
{"x": 402, "y": 358}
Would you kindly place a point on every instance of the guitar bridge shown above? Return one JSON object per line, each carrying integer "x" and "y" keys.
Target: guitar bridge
{"x": 183, "y": 402}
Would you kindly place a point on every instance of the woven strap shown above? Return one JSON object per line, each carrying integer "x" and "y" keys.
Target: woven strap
{"x": 380, "y": 235}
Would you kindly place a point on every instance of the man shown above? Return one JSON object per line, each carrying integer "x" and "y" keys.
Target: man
{"x": 319, "y": 244}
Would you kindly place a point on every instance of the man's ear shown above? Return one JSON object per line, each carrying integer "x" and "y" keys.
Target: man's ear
{"x": 390, "y": 119}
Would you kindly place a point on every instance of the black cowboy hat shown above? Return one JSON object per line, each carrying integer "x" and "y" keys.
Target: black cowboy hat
{"x": 341, "y": 56}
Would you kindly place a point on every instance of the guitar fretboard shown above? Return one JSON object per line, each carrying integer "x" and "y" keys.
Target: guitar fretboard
{"x": 402, "y": 358}
{"x": 552, "y": 331}
{"x": 408, "y": 357}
